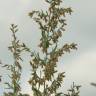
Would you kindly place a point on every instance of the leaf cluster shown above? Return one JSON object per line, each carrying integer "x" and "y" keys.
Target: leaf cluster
{"x": 16, "y": 49}
{"x": 73, "y": 91}
{"x": 45, "y": 79}
{"x": 51, "y": 24}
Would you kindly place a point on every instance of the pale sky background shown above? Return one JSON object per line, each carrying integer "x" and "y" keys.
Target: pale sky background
{"x": 80, "y": 65}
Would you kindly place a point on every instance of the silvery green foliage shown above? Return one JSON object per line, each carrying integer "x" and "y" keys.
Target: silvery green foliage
{"x": 73, "y": 91}
{"x": 16, "y": 49}
{"x": 45, "y": 79}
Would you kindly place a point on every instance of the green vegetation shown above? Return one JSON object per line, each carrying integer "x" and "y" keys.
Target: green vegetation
{"x": 45, "y": 80}
{"x": 16, "y": 49}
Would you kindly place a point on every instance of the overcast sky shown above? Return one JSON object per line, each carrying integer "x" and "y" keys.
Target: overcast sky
{"x": 80, "y": 65}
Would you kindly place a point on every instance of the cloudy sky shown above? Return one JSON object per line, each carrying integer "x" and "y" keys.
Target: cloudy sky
{"x": 80, "y": 65}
